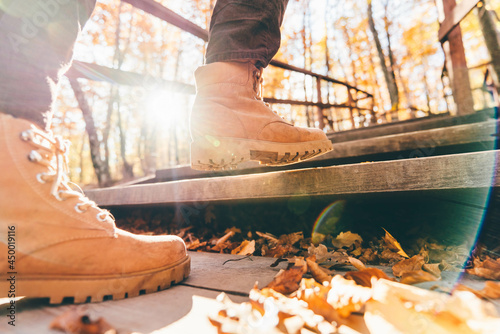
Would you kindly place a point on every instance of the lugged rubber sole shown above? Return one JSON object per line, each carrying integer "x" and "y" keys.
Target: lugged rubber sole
{"x": 219, "y": 153}
{"x": 84, "y": 289}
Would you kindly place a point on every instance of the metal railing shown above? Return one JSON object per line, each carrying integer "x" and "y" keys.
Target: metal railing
{"x": 102, "y": 73}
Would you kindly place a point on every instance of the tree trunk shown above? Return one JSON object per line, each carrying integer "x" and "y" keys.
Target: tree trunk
{"x": 101, "y": 166}
{"x": 487, "y": 20}
{"x": 305, "y": 46}
{"x": 392, "y": 69}
{"x": 128, "y": 169}
{"x": 114, "y": 99}
{"x": 456, "y": 63}
{"x": 388, "y": 77}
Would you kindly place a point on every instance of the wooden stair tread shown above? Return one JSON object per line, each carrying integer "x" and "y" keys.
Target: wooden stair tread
{"x": 457, "y": 171}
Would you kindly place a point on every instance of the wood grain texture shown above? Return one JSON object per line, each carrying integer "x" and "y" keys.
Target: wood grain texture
{"x": 469, "y": 170}
{"x": 361, "y": 144}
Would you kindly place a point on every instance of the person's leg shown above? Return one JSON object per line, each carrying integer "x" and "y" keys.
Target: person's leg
{"x": 37, "y": 38}
{"x": 230, "y": 123}
{"x": 58, "y": 242}
{"x": 242, "y": 29}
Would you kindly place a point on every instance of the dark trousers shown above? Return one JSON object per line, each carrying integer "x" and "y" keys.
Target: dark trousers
{"x": 37, "y": 38}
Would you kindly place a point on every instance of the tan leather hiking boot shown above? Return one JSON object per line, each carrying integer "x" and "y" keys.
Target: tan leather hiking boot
{"x": 231, "y": 124}
{"x": 56, "y": 243}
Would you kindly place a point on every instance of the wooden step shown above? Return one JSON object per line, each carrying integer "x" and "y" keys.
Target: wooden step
{"x": 458, "y": 171}
{"x": 416, "y": 124}
{"x": 431, "y": 142}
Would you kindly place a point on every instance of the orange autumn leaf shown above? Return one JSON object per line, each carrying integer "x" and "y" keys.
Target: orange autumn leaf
{"x": 433, "y": 268}
{"x": 363, "y": 277}
{"x": 75, "y": 321}
{"x": 317, "y": 272}
{"x": 393, "y": 244}
{"x": 488, "y": 269}
{"x": 315, "y": 295}
{"x": 491, "y": 290}
{"x": 346, "y": 296}
{"x": 414, "y": 263}
{"x": 287, "y": 281}
{"x": 417, "y": 276}
{"x": 357, "y": 263}
{"x": 246, "y": 248}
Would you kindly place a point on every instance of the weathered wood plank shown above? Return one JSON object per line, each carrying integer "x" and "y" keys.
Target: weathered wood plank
{"x": 423, "y": 142}
{"x": 469, "y": 170}
{"x": 417, "y": 124}
{"x": 427, "y": 140}
{"x": 218, "y": 272}
{"x": 184, "y": 307}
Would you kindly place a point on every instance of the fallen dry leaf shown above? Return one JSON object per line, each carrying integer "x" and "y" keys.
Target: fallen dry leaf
{"x": 364, "y": 277}
{"x": 75, "y": 321}
{"x": 315, "y": 295}
{"x": 220, "y": 244}
{"x": 321, "y": 252}
{"x": 368, "y": 256}
{"x": 336, "y": 259}
{"x": 246, "y": 248}
{"x": 433, "y": 268}
{"x": 389, "y": 256}
{"x": 269, "y": 237}
{"x": 414, "y": 263}
{"x": 488, "y": 269}
{"x": 288, "y": 309}
{"x": 357, "y": 263}
{"x": 287, "y": 281}
{"x": 291, "y": 239}
{"x": 403, "y": 309}
{"x": 393, "y": 244}
{"x": 346, "y": 239}
{"x": 491, "y": 290}
{"x": 346, "y": 296}
{"x": 278, "y": 251}
{"x": 317, "y": 272}
{"x": 416, "y": 276}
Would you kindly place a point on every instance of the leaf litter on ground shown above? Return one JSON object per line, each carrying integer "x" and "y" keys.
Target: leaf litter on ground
{"x": 329, "y": 286}
{"x": 315, "y": 294}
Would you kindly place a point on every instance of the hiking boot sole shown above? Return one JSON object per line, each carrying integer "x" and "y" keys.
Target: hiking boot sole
{"x": 85, "y": 289}
{"x": 219, "y": 153}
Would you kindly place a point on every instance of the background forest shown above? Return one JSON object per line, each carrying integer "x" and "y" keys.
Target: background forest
{"x": 388, "y": 48}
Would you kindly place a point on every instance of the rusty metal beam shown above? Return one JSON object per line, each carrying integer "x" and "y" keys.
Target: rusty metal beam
{"x": 165, "y": 14}
{"x": 273, "y": 100}
{"x": 456, "y": 16}
{"x": 286, "y": 66}
{"x": 102, "y": 73}
{"x": 156, "y": 9}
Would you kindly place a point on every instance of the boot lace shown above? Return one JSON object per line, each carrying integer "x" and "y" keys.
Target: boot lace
{"x": 52, "y": 152}
{"x": 258, "y": 87}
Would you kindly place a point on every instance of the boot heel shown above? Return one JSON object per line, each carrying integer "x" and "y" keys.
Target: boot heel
{"x": 212, "y": 153}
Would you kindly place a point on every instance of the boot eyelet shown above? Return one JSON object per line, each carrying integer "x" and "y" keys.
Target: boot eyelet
{"x": 39, "y": 178}
{"x": 34, "y": 156}
{"x": 26, "y": 135}
{"x": 77, "y": 208}
{"x": 58, "y": 196}
{"x": 99, "y": 218}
